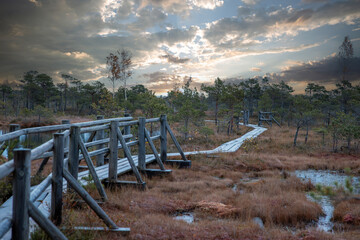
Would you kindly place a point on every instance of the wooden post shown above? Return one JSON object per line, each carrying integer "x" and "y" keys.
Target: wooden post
{"x": 66, "y": 140}
{"x": 113, "y": 146}
{"x": 57, "y": 179}
{"x": 259, "y": 117}
{"x": 100, "y": 135}
{"x": 127, "y": 129}
{"x": 74, "y": 151}
{"x": 163, "y": 138}
{"x": 21, "y": 191}
{"x": 141, "y": 138}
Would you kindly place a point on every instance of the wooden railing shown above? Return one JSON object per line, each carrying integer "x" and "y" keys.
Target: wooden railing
{"x": 64, "y": 149}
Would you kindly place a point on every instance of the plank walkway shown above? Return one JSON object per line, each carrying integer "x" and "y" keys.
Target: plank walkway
{"x": 43, "y": 202}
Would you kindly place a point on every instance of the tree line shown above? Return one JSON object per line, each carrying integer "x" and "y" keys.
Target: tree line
{"x": 337, "y": 111}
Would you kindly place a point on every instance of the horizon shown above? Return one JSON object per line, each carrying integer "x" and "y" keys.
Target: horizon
{"x": 295, "y": 41}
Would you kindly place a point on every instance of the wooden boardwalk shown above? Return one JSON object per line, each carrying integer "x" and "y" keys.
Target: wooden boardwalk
{"x": 231, "y": 146}
{"x": 43, "y": 202}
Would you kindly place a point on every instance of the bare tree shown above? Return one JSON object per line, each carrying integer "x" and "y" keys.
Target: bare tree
{"x": 119, "y": 64}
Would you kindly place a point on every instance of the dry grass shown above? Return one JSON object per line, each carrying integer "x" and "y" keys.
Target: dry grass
{"x": 348, "y": 212}
{"x": 264, "y": 189}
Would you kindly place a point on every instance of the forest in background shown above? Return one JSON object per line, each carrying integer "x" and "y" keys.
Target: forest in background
{"x": 332, "y": 113}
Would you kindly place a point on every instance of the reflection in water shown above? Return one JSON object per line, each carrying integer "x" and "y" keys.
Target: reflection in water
{"x": 329, "y": 179}
{"x": 186, "y": 216}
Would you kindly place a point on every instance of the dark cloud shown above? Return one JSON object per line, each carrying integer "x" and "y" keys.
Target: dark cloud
{"x": 147, "y": 18}
{"x": 65, "y": 36}
{"x": 174, "y": 59}
{"x": 326, "y": 71}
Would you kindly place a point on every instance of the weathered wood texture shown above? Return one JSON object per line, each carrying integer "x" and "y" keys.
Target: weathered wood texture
{"x": 93, "y": 171}
{"x": 100, "y": 135}
{"x": 141, "y": 139}
{"x": 57, "y": 179}
{"x": 163, "y": 138}
{"x": 21, "y": 191}
{"x": 113, "y": 146}
{"x": 74, "y": 151}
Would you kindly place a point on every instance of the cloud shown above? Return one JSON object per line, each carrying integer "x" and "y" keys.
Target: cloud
{"x": 325, "y": 71}
{"x": 174, "y": 59}
{"x": 253, "y": 24}
{"x": 71, "y": 36}
{"x": 161, "y": 82}
{"x": 313, "y": 1}
{"x": 207, "y": 4}
{"x": 147, "y": 18}
{"x": 250, "y": 2}
{"x": 255, "y": 69}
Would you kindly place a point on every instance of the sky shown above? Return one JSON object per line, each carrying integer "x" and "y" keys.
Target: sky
{"x": 295, "y": 41}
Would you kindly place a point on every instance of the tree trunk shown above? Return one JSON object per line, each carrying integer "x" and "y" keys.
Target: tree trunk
{"x": 307, "y": 132}
{"x": 334, "y": 143}
{"x": 186, "y": 129}
{"x": 65, "y": 95}
{"x": 296, "y": 134}
{"x": 216, "y": 112}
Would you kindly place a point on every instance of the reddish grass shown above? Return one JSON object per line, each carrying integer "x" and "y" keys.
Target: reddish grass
{"x": 265, "y": 189}
{"x": 348, "y": 211}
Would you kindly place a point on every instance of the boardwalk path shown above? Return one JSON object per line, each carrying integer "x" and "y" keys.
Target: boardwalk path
{"x": 231, "y": 146}
{"x": 123, "y": 166}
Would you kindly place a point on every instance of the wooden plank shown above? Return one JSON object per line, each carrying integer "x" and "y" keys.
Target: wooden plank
{"x": 95, "y": 128}
{"x": 151, "y": 120}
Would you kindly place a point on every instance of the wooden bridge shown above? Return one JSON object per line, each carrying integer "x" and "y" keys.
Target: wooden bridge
{"x": 45, "y": 200}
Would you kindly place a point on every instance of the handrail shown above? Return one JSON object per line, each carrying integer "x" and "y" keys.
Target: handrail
{"x": 64, "y": 149}
{"x": 18, "y": 133}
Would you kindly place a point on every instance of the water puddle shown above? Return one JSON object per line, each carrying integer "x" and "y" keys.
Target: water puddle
{"x": 185, "y": 216}
{"x": 328, "y": 179}
{"x": 250, "y": 180}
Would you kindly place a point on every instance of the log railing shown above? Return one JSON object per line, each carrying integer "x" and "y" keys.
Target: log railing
{"x": 67, "y": 149}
